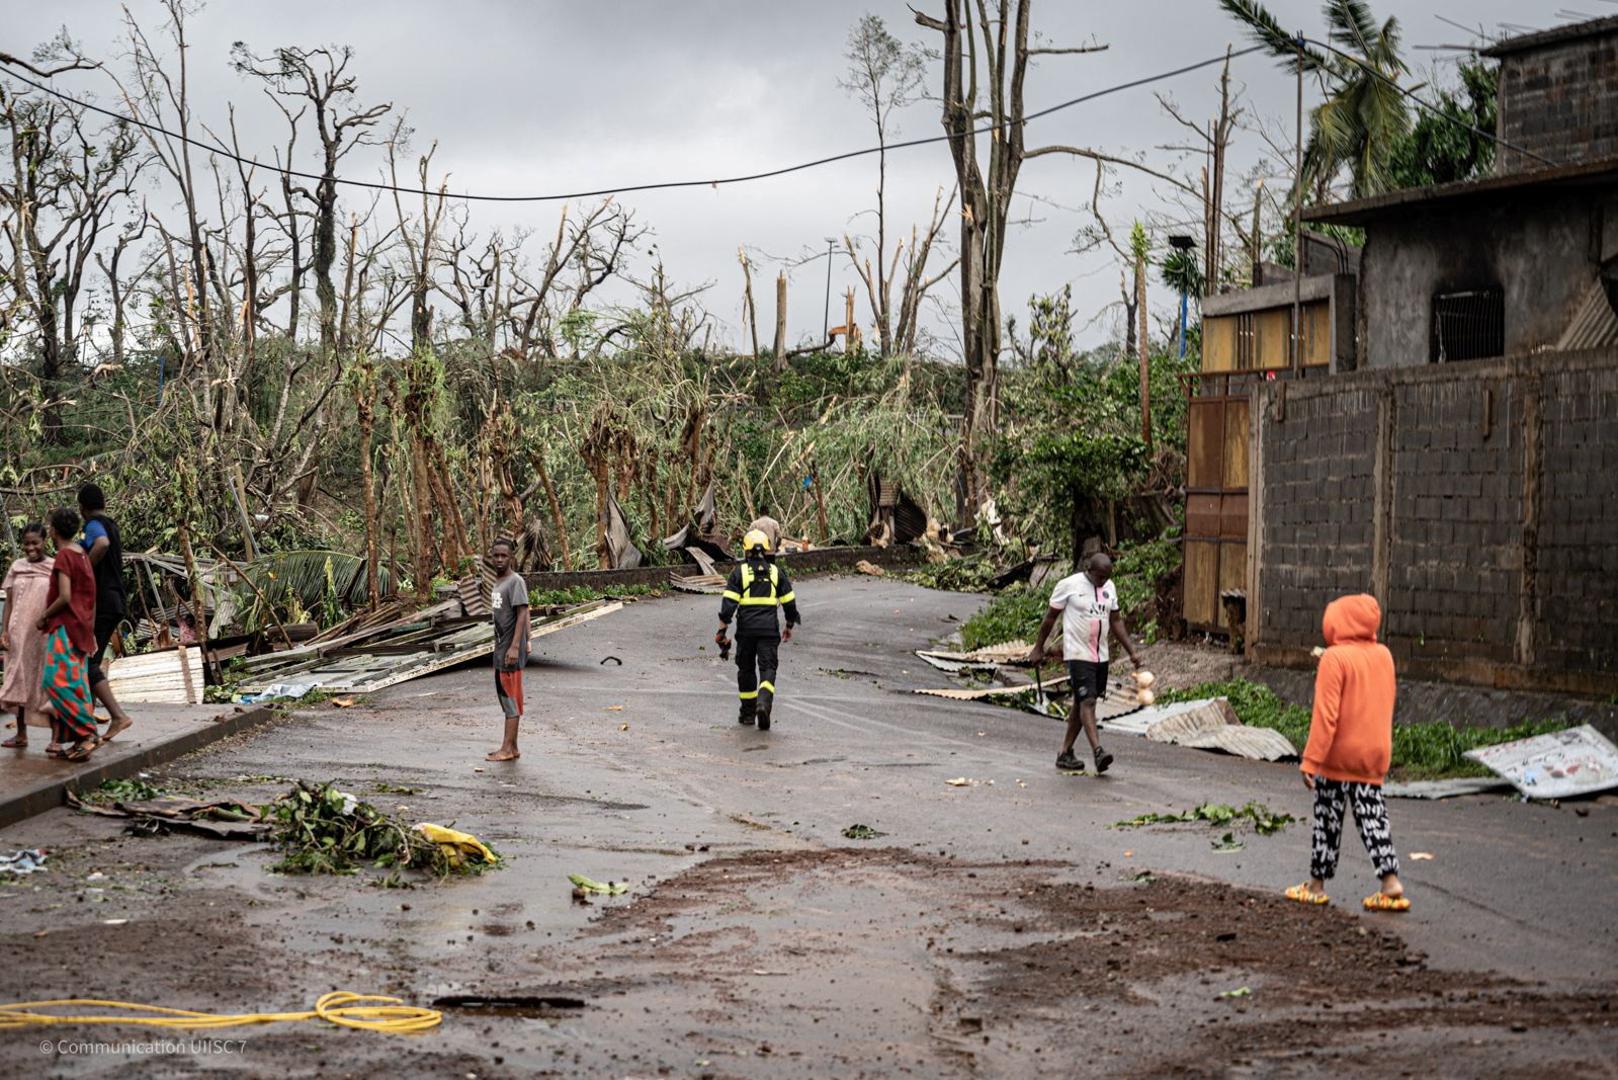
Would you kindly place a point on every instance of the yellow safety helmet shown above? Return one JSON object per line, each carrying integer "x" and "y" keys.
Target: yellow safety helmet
{"x": 755, "y": 538}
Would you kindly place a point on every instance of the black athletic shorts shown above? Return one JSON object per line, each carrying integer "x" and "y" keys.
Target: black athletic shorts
{"x": 1089, "y": 679}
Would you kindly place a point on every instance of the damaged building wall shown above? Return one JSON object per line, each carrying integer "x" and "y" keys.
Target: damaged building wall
{"x": 1478, "y": 503}
{"x": 1536, "y": 251}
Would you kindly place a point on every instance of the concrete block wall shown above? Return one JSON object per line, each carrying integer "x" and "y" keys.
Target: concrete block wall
{"x": 1559, "y": 100}
{"x": 1315, "y": 518}
{"x": 1576, "y": 565}
{"x": 1455, "y": 531}
{"x": 1478, "y": 502}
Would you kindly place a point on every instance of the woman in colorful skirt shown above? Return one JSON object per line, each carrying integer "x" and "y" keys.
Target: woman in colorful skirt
{"x": 27, "y": 584}
{"x": 69, "y": 628}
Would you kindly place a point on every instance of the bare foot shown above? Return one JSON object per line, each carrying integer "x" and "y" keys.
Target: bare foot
{"x": 16, "y": 742}
{"x": 117, "y": 727}
{"x": 503, "y": 755}
{"x": 1392, "y": 887}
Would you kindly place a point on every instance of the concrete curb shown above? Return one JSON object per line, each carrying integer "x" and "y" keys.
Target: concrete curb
{"x": 49, "y": 794}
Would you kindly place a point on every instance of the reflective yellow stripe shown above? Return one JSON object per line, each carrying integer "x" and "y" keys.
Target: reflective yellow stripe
{"x": 788, "y": 598}
{"x": 767, "y": 686}
{"x": 732, "y": 595}
{"x": 749, "y": 695}
{"x": 747, "y": 583}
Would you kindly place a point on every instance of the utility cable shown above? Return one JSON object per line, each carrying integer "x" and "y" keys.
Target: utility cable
{"x": 658, "y": 186}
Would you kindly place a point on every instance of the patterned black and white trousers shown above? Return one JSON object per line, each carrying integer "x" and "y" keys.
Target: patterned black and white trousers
{"x": 1370, "y": 813}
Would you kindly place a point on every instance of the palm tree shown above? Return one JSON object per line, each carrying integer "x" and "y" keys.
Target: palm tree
{"x": 1364, "y": 116}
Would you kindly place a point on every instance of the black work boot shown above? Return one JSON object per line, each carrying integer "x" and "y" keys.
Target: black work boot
{"x": 765, "y": 701}
{"x": 749, "y": 710}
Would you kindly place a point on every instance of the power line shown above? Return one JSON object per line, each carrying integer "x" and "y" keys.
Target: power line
{"x": 1491, "y": 136}
{"x": 658, "y": 186}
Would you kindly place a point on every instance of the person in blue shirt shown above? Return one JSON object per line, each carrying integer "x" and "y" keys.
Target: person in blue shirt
{"x": 106, "y": 552}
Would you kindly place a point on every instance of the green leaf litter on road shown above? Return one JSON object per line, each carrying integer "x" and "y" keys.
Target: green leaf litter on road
{"x": 1265, "y": 821}
{"x": 590, "y": 885}
{"x": 862, "y": 832}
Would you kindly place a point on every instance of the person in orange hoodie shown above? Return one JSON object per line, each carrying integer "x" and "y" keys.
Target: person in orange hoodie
{"x": 1350, "y": 746}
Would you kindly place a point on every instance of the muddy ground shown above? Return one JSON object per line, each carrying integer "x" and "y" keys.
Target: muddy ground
{"x": 998, "y": 928}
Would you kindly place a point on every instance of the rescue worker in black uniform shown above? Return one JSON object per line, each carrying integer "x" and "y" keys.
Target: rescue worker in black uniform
{"x": 755, "y": 589}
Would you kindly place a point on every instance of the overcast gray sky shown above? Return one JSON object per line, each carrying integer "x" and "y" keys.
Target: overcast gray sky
{"x": 535, "y": 97}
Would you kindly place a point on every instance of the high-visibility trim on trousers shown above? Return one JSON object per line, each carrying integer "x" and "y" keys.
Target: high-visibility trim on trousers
{"x": 767, "y": 685}
{"x": 749, "y": 695}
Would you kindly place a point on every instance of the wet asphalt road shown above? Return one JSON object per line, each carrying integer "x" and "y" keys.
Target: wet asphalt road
{"x": 639, "y": 772}
{"x": 1521, "y": 888}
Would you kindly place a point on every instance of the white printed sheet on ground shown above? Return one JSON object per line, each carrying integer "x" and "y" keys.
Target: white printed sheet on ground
{"x": 1578, "y": 761}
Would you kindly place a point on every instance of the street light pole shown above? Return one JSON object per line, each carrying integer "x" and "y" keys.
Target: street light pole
{"x": 825, "y": 330}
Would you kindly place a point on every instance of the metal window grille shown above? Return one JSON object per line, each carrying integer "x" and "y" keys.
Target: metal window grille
{"x": 1468, "y": 325}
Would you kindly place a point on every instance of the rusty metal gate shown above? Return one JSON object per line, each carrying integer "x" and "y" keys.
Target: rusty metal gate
{"x": 1217, "y": 442}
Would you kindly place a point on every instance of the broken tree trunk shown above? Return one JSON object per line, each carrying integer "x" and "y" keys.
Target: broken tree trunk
{"x": 1145, "y": 351}
{"x": 781, "y": 321}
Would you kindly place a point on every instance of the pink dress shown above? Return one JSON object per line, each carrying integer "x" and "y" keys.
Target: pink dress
{"x": 26, "y": 585}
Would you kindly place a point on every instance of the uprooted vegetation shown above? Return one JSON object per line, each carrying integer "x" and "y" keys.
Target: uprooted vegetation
{"x": 321, "y": 830}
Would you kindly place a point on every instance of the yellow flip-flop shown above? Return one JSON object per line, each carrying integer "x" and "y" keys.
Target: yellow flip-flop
{"x": 1381, "y": 901}
{"x": 1303, "y": 894}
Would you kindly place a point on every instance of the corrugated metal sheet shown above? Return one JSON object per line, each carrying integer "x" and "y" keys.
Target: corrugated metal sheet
{"x": 1594, "y": 325}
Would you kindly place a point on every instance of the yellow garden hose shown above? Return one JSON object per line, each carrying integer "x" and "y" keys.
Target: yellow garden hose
{"x": 339, "y": 1007}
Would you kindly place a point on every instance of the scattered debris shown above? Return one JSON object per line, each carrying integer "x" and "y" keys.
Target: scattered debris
{"x": 614, "y": 659}
{"x": 1239, "y": 992}
{"x": 385, "y": 788}
{"x": 990, "y": 692}
{"x": 325, "y": 831}
{"x": 114, "y": 790}
{"x": 1560, "y": 765}
{"x": 1205, "y": 724}
{"x": 171, "y": 676}
{"x": 278, "y": 691}
{"x": 407, "y": 647}
{"x": 862, "y": 832}
{"x": 1421, "y": 856}
{"x": 153, "y": 813}
{"x": 27, "y": 861}
{"x": 458, "y": 848}
{"x": 590, "y": 885}
{"x": 1265, "y": 821}
{"x": 1444, "y": 789}
{"x": 865, "y": 566}
{"x": 1228, "y": 842}
{"x": 967, "y": 781}
{"x": 345, "y": 701}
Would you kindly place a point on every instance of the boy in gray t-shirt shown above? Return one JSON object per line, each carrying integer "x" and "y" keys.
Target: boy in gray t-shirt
{"x": 508, "y": 602}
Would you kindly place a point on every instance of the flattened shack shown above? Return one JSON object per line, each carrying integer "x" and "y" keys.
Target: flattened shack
{"x": 1457, "y": 454}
